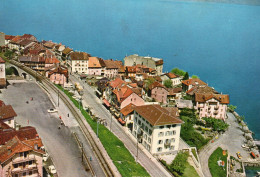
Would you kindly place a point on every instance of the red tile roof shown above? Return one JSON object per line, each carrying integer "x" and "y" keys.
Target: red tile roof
{"x": 2, "y": 103}
{"x": 202, "y": 98}
{"x": 4, "y": 126}
{"x": 66, "y": 51}
{"x": 127, "y": 109}
{"x": 16, "y": 39}
{"x": 59, "y": 69}
{"x": 51, "y": 60}
{"x": 9, "y": 37}
{"x": 201, "y": 89}
{"x": 93, "y": 62}
{"x": 121, "y": 68}
{"x": 193, "y": 81}
{"x": 24, "y": 133}
{"x": 7, "y": 112}
{"x": 115, "y": 83}
{"x": 171, "y": 75}
{"x": 2, "y": 60}
{"x": 2, "y": 82}
{"x": 156, "y": 84}
{"x": 157, "y": 115}
{"x": 15, "y": 146}
{"x": 173, "y": 91}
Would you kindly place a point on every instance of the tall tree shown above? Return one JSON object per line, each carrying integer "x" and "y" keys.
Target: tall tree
{"x": 168, "y": 83}
{"x": 186, "y": 76}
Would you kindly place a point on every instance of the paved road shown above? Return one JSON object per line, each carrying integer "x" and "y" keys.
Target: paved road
{"x": 231, "y": 140}
{"x": 153, "y": 167}
{"x": 59, "y": 143}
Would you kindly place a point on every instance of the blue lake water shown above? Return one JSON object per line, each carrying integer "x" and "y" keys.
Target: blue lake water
{"x": 220, "y": 42}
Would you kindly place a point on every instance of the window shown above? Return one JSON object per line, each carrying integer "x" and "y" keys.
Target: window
{"x": 160, "y": 142}
{"x": 148, "y": 147}
{"x": 174, "y": 125}
{"x": 174, "y": 132}
{"x": 135, "y": 119}
{"x": 173, "y": 140}
{"x": 30, "y": 173}
{"x": 139, "y": 122}
{"x": 145, "y": 136}
{"x": 150, "y": 131}
{"x": 160, "y": 134}
{"x": 161, "y": 127}
{"x": 168, "y": 126}
{"x": 15, "y": 165}
{"x": 9, "y": 121}
{"x": 30, "y": 162}
{"x": 149, "y": 140}
{"x": 167, "y": 133}
{"x": 146, "y": 128}
{"x": 159, "y": 149}
{"x": 24, "y": 174}
{"x": 172, "y": 147}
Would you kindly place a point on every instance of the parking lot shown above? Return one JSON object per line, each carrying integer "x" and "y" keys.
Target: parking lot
{"x": 59, "y": 142}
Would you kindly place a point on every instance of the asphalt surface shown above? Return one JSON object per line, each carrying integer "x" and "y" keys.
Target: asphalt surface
{"x": 231, "y": 140}
{"x": 59, "y": 143}
{"x": 153, "y": 167}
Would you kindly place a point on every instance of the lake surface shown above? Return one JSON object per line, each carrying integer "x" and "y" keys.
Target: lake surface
{"x": 220, "y": 42}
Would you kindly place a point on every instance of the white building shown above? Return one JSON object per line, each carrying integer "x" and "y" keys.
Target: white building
{"x": 2, "y": 68}
{"x": 157, "y": 128}
{"x": 79, "y": 62}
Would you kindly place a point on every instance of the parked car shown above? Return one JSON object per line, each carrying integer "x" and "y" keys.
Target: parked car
{"x": 52, "y": 110}
{"x": 238, "y": 155}
{"x": 52, "y": 169}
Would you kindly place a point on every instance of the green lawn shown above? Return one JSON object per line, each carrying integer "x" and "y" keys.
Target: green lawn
{"x": 215, "y": 170}
{"x": 119, "y": 154}
{"x": 190, "y": 171}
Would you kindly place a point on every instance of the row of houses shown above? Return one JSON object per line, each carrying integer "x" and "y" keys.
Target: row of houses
{"x": 21, "y": 148}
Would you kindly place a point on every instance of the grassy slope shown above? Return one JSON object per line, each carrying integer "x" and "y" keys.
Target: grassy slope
{"x": 119, "y": 154}
{"x": 215, "y": 170}
{"x": 190, "y": 171}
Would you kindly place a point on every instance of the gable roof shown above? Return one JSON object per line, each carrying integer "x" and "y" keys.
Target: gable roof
{"x": 115, "y": 83}
{"x": 7, "y": 112}
{"x": 120, "y": 66}
{"x": 202, "y": 98}
{"x": 110, "y": 64}
{"x": 193, "y": 81}
{"x": 79, "y": 56}
{"x": 156, "y": 84}
{"x": 127, "y": 109}
{"x": 9, "y": 37}
{"x": 67, "y": 51}
{"x": 15, "y": 146}
{"x": 171, "y": 75}
{"x": 58, "y": 69}
{"x": 173, "y": 91}
{"x": 156, "y": 115}
{"x": 93, "y": 62}
{"x": 201, "y": 89}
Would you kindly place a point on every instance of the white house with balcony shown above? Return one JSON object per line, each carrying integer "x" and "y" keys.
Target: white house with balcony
{"x": 79, "y": 62}
{"x": 212, "y": 105}
{"x": 157, "y": 128}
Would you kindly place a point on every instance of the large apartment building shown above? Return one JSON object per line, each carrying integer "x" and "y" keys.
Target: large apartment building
{"x": 157, "y": 128}
{"x": 79, "y": 62}
{"x": 150, "y": 62}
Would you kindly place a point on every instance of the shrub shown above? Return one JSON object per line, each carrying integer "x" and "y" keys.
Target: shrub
{"x": 178, "y": 71}
{"x": 168, "y": 83}
{"x": 216, "y": 124}
{"x": 179, "y": 163}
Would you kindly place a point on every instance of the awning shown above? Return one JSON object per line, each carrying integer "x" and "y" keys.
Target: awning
{"x": 106, "y": 102}
{"x": 121, "y": 121}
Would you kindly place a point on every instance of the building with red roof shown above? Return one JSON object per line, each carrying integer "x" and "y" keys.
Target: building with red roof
{"x": 57, "y": 74}
{"x": 157, "y": 128}
{"x": 158, "y": 92}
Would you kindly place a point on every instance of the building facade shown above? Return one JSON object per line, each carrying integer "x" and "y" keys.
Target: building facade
{"x": 157, "y": 128}
{"x": 212, "y": 105}
{"x": 79, "y": 62}
{"x": 158, "y": 92}
{"x": 150, "y": 62}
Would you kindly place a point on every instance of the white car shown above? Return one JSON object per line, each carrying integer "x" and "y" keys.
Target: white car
{"x": 52, "y": 110}
{"x": 52, "y": 169}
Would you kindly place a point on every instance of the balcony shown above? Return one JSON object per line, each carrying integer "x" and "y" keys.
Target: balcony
{"x": 216, "y": 107}
{"x": 23, "y": 159}
{"x": 24, "y": 168}
{"x": 215, "y": 112}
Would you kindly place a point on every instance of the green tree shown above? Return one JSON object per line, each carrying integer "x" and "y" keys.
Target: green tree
{"x": 9, "y": 54}
{"x": 186, "y": 76}
{"x": 178, "y": 71}
{"x": 148, "y": 82}
{"x": 232, "y": 108}
{"x": 168, "y": 83}
{"x": 216, "y": 124}
{"x": 179, "y": 163}
{"x": 195, "y": 77}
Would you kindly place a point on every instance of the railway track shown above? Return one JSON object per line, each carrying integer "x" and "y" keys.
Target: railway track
{"x": 79, "y": 117}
